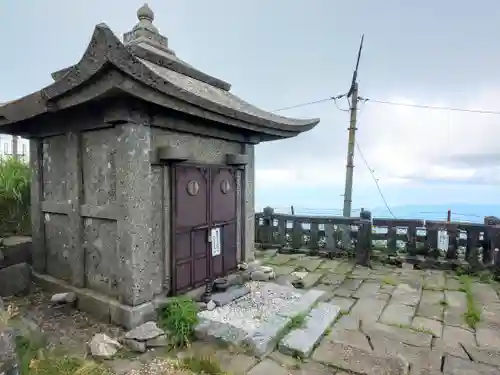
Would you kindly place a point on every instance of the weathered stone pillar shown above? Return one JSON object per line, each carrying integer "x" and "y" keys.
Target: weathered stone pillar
{"x": 133, "y": 194}
{"x": 248, "y": 232}
{"x": 74, "y": 193}
{"x": 364, "y": 244}
{"x": 37, "y": 220}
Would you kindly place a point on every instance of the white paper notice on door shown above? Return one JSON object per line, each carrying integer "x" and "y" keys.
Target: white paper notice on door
{"x": 215, "y": 240}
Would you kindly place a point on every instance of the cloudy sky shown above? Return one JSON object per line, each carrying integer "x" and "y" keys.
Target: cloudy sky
{"x": 286, "y": 52}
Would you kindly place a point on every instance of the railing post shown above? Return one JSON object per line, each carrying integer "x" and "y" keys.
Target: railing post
{"x": 267, "y": 226}
{"x": 364, "y": 244}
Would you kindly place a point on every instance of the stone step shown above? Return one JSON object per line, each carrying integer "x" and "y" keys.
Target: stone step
{"x": 301, "y": 341}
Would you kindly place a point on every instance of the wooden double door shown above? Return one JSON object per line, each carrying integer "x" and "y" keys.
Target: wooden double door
{"x": 204, "y": 221}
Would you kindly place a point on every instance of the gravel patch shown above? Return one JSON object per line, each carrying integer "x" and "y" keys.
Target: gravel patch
{"x": 251, "y": 311}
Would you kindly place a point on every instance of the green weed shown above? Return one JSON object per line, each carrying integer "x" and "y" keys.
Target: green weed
{"x": 179, "y": 317}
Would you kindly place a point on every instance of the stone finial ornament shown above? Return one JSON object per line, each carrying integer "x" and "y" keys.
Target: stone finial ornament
{"x": 145, "y": 32}
{"x": 145, "y": 13}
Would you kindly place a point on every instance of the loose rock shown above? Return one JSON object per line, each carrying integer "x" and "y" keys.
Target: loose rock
{"x": 102, "y": 346}
{"x": 135, "y": 346}
{"x": 60, "y": 298}
{"x": 211, "y": 305}
{"x": 146, "y": 331}
{"x": 260, "y": 275}
{"x": 158, "y": 342}
{"x": 242, "y": 266}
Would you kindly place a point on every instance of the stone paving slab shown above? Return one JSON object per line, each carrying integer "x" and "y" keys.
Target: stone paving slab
{"x": 347, "y": 357}
{"x": 393, "y": 321}
{"x": 301, "y": 341}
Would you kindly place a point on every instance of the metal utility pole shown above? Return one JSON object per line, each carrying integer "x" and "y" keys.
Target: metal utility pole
{"x": 350, "y": 153}
{"x": 349, "y": 177}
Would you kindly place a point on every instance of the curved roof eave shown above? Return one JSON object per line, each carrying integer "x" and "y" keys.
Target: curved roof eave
{"x": 105, "y": 48}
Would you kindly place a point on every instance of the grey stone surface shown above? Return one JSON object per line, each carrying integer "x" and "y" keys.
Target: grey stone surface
{"x": 301, "y": 341}
{"x": 134, "y": 345}
{"x": 460, "y": 366}
{"x": 368, "y": 311}
{"x": 356, "y": 360}
{"x": 7, "y": 346}
{"x": 15, "y": 250}
{"x": 454, "y": 336}
{"x": 430, "y": 325}
{"x": 303, "y": 305}
{"x": 367, "y": 289}
{"x": 399, "y": 334}
{"x": 15, "y": 279}
{"x": 267, "y": 367}
{"x": 343, "y": 303}
{"x": 144, "y": 332}
{"x": 264, "y": 339}
{"x": 407, "y": 294}
{"x": 228, "y": 296}
{"x": 488, "y": 338}
{"x": 101, "y": 307}
{"x": 397, "y": 314}
{"x": 489, "y": 357}
{"x": 103, "y": 346}
{"x": 351, "y": 337}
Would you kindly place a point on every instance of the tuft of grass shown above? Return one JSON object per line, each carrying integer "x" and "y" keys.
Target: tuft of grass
{"x": 388, "y": 280}
{"x": 15, "y": 178}
{"x": 34, "y": 359}
{"x": 486, "y": 278}
{"x": 204, "y": 364}
{"x": 179, "y": 317}
{"x": 443, "y": 302}
{"x": 296, "y": 322}
{"x": 473, "y": 314}
{"x": 415, "y": 329}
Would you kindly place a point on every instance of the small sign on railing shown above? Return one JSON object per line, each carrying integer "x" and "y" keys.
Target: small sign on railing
{"x": 215, "y": 241}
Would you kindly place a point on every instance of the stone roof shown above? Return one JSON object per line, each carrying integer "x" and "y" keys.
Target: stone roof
{"x": 145, "y": 56}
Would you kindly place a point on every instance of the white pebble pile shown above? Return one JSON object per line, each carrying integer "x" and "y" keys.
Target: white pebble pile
{"x": 255, "y": 308}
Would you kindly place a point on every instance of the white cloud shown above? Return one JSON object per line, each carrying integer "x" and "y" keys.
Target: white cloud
{"x": 402, "y": 145}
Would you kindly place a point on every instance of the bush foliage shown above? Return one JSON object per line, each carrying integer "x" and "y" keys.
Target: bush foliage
{"x": 15, "y": 177}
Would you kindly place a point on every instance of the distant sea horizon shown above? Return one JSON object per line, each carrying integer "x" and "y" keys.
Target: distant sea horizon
{"x": 463, "y": 212}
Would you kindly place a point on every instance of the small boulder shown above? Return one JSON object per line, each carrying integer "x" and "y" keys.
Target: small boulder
{"x": 146, "y": 331}
{"x": 15, "y": 280}
{"x": 211, "y": 305}
{"x": 102, "y": 346}
{"x": 158, "y": 342}
{"x": 134, "y": 345}
{"x": 299, "y": 274}
{"x": 266, "y": 269}
{"x": 242, "y": 266}
{"x": 63, "y": 298}
{"x": 260, "y": 275}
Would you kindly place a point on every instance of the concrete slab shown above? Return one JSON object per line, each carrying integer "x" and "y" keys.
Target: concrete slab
{"x": 256, "y": 320}
{"x": 302, "y": 341}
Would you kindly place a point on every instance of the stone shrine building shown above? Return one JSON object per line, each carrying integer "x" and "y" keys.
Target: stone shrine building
{"x": 143, "y": 173}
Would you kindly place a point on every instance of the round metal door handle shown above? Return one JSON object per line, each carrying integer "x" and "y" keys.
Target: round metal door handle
{"x": 193, "y": 187}
{"x": 225, "y": 186}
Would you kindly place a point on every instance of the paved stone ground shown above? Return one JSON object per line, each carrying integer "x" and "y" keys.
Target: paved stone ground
{"x": 392, "y": 319}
